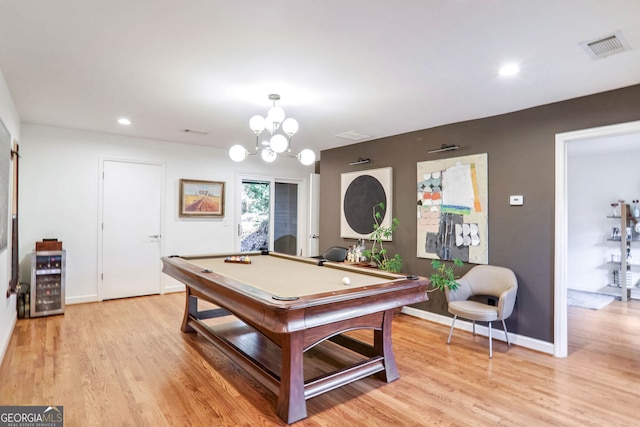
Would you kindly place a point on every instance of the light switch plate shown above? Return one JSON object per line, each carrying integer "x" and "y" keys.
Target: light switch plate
{"x": 516, "y": 200}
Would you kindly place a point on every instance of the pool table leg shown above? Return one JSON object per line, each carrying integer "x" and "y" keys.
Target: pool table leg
{"x": 382, "y": 345}
{"x": 292, "y": 406}
{"x": 190, "y": 308}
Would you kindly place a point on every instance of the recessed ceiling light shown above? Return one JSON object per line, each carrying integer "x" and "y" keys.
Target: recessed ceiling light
{"x": 124, "y": 121}
{"x": 509, "y": 70}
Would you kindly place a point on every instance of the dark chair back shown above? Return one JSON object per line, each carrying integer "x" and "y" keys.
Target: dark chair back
{"x": 334, "y": 253}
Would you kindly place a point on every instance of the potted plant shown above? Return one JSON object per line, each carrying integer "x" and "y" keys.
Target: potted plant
{"x": 378, "y": 254}
{"x": 443, "y": 275}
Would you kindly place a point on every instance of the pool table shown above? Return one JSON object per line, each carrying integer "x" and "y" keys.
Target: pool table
{"x": 292, "y": 304}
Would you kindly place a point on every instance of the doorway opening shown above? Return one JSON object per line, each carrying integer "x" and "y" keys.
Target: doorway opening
{"x": 562, "y": 222}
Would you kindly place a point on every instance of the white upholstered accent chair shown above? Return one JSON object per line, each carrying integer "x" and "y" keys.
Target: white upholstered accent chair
{"x": 483, "y": 281}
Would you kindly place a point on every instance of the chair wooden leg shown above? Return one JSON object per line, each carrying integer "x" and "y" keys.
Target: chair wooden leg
{"x": 506, "y": 334}
{"x": 451, "y": 330}
{"x": 490, "y": 343}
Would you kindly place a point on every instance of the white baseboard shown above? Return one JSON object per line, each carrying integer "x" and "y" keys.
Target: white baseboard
{"x": 521, "y": 340}
{"x": 175, "y": 288}
{"x": 81, "y": 300}
{"x": 166, "y": 285}
{"x": 4, "y": 345}
{"x": 94, "y": 298}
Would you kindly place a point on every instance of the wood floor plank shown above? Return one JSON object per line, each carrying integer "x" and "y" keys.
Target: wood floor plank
{"x": 126, "y": 363}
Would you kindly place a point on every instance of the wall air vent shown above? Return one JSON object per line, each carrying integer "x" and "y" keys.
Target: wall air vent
{"x": 606, "y": 46}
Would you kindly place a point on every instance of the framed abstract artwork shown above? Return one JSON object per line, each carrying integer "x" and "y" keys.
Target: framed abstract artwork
{"x": 452, "y": 209}
{"x": 201, "y": 198}
{"x": 360, "y": 192}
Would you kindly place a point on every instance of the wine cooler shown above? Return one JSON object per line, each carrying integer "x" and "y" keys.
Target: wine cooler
{"x": 47, "y": 282}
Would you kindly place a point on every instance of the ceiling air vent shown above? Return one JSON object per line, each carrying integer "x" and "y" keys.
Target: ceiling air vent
{"x": 353, "y": 136}
{"x": 605, "y": 46}
{"x": 198, "y": 131}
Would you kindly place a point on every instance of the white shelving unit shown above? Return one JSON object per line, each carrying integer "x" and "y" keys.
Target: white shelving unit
{"x": 625, "y": 289}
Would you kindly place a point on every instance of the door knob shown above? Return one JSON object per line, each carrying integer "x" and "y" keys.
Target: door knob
{"x": 155, "y": 236}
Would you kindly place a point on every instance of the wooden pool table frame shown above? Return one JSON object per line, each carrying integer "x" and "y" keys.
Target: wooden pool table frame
{"x": 296, "y": 326}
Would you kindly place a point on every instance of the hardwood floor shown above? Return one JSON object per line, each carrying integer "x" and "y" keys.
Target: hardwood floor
{"x": 126, "y": 363}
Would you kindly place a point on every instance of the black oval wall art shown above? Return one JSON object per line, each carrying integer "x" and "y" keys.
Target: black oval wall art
{"x": 361, "y": 196}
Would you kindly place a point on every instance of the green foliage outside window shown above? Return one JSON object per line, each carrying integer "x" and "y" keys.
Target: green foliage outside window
{"x": 256, "y": 198}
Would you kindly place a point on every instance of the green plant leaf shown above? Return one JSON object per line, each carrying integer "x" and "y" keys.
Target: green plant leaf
{"x": 381, "y": 233}
{"x": 443, "y": 275}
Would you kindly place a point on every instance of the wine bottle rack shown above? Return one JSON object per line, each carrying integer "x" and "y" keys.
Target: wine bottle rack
{"x": 47, "y": 282}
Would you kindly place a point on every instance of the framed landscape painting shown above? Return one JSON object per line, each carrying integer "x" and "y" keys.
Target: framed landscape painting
{"x": 201, "y": 198}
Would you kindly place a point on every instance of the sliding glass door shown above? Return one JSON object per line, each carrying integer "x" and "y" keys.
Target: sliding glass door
{"x": 255, "y": 215}
{"x": 285, "y": 216}
{"x": 269, "y": 215}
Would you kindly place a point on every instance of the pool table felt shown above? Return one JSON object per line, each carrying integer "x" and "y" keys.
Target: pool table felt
{"x": 288, "y": 277}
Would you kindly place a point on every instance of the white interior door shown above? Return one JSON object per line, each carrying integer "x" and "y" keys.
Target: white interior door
{"x": 131, "y": 227}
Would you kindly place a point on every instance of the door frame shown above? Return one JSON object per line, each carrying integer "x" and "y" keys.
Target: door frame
{"x": 102, "y": 160}
{"x": 313, "y": 218}
{"x": 302, "y": 207}
{"x": 560, "y": 340}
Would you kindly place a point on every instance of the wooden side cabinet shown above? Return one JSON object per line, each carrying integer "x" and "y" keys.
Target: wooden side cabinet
{"x": 47, "y": 282}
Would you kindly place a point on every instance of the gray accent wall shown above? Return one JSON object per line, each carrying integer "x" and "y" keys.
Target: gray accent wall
{"x": 521, "y": 160}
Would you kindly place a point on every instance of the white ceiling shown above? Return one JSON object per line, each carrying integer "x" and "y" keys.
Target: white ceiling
{"x": 376, "y": 67}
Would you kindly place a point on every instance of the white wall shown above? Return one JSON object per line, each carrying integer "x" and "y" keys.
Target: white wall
{"x": 9, "y": 116}
{"x": 59, "y": 186}
{"x": 594, "y": 182}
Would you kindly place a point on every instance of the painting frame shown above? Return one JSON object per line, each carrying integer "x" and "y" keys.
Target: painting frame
{"x": 360, "y": 192}
{"x": 5, "y": 166}
{"x": 201, "y": 199}
{"x": 453, "y": 208}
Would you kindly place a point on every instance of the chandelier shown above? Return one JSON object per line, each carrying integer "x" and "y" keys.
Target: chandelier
{"x": 278, "y": 143}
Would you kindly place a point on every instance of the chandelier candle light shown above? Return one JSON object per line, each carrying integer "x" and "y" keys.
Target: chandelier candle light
{"x": 278, "y": 143}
